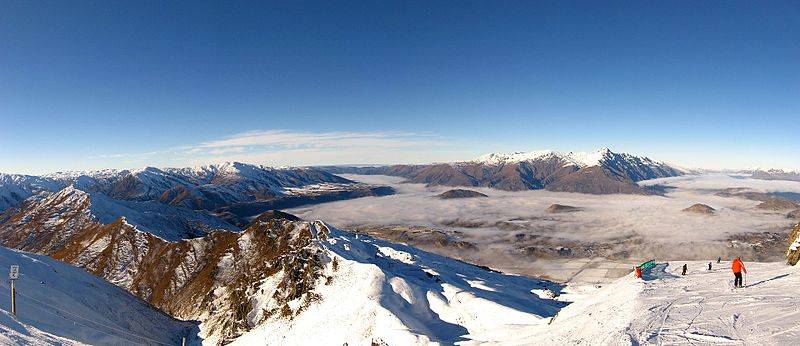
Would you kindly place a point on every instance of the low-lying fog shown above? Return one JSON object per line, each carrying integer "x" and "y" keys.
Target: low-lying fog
{"x": 603, "y": 216}
{"x": 656, "y": 222}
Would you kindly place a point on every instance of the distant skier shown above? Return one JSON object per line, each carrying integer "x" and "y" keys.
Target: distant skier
{"x": 738, "y": 267}
{"x": 684, "y": 269}
{"x": 709, "y": 265}
{"x": 719, "y": 259}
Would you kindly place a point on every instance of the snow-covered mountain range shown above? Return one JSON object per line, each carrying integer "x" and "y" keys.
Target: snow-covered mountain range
{"x": 598, "y": 172}
{"x": 172, "y": 203}
{"x": 776, "y": 174}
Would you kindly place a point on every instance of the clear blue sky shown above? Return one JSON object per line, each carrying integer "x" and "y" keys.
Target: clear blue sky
{"x": 87, "y": 85}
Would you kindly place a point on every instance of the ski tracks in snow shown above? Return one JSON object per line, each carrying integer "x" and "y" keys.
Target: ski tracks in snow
{"x": 693, "y": 309}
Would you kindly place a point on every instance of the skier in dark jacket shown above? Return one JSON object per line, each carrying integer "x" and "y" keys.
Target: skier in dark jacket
{"x": 684, "y": 269}
{"x": 709, "y": 265}
{"x": 719, "y": 259}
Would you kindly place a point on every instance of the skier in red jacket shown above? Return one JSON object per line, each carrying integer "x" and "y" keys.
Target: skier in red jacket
{"x": 738, "y": 267}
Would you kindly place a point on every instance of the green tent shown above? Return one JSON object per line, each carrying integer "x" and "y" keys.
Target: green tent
{"x": 649, "y": 264}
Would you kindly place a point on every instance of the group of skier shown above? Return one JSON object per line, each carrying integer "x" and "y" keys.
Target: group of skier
{"x": 737, "y": 266}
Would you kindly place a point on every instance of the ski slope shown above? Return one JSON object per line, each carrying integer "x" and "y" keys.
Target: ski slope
{"x": 59, "y": 304}
{"x": 699, "y": 308}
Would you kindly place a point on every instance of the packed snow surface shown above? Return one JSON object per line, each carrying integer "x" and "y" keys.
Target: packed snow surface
{"x": 58, "y": 304}
{"x": 668, "y": 308}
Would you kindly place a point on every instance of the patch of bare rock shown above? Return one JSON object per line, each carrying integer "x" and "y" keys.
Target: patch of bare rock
{"x": 700, "y": 208}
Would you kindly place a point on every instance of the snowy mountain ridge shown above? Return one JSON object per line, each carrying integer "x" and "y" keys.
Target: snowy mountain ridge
{"x": 580, "y": 159}
{"x": 173, "y": 204}
{"x": 583, "y": 159}
{"x": 15, "y": 188}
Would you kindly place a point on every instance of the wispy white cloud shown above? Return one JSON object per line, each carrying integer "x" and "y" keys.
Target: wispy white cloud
{"x": 284, "y": 147}
{"x": 293, "y": 140}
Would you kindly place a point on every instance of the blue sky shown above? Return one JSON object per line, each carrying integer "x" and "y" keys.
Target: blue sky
{"x": 129, "y": 84}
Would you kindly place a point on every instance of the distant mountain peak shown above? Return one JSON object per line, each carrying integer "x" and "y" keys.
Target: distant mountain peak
{"x": 581, "y": 159}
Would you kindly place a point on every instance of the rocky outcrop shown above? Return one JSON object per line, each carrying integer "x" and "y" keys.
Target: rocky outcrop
{"x": 460, "y": 193}
{"x": 699, "y": 208}
{"x": 794, "y": 214}
{"x": 793, "y": 254}
{"x": 560, "y": 208}
{"x": 778, "y": 204}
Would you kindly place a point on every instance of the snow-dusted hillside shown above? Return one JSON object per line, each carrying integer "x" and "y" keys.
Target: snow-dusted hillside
{"x": 378, "y": 292}
{"x": 15, "y": 188}
{"x": 58, "y": 304}
{"x": 280, "y": 280}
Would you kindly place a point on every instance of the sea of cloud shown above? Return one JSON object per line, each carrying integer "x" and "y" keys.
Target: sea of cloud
{"x": 643, "y": 226}
{"x": 603, "y": 217}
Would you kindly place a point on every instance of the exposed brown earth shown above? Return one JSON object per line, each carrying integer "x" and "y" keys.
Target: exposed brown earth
{"x": 744, "y": 193}
{"x": 700, "y": 209}
{"x": 757, "y": 246}
{"x": 793, "y": 253}
{"x": 778, "y": 204}
{"x": 460, "y": 193}
{"x": 560, "y": 208}
{"x": 422, "y": 237}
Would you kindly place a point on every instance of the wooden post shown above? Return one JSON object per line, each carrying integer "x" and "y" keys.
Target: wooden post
{"x": 13, "y": 299}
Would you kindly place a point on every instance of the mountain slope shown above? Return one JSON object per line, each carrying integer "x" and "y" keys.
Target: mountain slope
{"x": 44, "y": 223}
{"x": 599, "y": 172}
{"x": 284, "y": 276}
{"x": 61, "y": 304}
